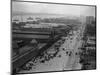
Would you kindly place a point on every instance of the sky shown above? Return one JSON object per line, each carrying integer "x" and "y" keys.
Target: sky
{"x": 30, "y": 7}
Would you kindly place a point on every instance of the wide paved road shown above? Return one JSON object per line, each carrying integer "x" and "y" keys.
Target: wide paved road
{"x": 66, "y": 59}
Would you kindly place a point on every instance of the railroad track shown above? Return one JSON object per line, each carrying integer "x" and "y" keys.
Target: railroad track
{"x": 23, "y": 59}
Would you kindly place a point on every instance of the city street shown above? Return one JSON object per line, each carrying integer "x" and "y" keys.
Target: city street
{"x": 67, "y": 57}
{"x": 52, "y": 37}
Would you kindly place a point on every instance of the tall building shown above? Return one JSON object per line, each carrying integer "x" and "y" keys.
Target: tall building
{"x": 90, "y": 19}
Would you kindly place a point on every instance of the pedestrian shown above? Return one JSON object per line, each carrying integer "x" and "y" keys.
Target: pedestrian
{"x": 66, "y": 52}
{"x": 76, "y": 53}
{"x": 63, "y": 49}
{"x": 70, "y": 53}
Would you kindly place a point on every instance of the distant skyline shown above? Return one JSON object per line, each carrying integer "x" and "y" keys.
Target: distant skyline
{"x": 30, "y": 7}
